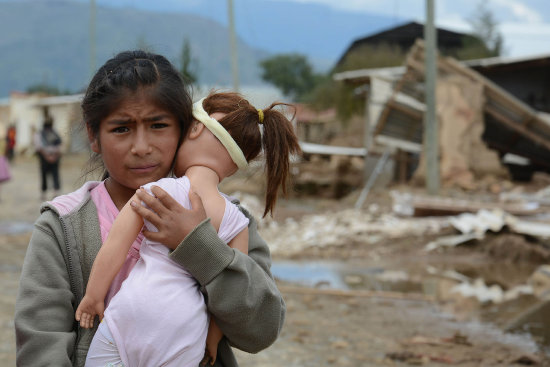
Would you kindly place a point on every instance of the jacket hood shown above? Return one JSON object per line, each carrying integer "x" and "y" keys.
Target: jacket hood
{"x": 65, "y": 204}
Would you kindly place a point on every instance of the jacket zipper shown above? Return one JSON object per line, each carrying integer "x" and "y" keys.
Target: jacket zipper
{"x": 71, "y": 276}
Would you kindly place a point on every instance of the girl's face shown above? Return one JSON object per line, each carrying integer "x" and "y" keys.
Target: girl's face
{"x": 137, "y": 142}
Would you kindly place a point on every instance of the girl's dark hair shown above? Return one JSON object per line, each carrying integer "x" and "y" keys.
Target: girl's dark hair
{"x": 128, "y": 72}
{"x": 278, "y": 140}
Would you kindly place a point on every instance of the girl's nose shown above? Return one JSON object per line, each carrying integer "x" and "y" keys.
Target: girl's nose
{"x": 141, "y": 145}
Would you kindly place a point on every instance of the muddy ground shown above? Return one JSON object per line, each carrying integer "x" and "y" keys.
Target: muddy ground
{"x": 412, "y": 321}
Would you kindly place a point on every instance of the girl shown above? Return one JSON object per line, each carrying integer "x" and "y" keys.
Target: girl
{"x": 224, "y": 137}
{"x": 136, "y": 109}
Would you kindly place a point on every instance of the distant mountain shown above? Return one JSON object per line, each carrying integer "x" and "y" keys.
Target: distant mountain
{"x": 280, "y": 26}
{"x": 47, "y": 41}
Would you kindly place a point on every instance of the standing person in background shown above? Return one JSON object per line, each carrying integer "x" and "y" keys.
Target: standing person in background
{"x": 9, "y": 149}
{"x": 48, "y": 148}
{"x": 136, "y": 112}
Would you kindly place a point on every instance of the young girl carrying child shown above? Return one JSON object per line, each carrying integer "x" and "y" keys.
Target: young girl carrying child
{"x": 139, "y": 329}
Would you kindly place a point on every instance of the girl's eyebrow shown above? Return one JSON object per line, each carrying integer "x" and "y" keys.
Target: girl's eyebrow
{"x": 124, "y": 121}
{"x": 156, "y": 117}
{"x": 118, "y": 121}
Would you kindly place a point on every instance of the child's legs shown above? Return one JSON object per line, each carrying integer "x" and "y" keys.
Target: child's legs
{"x": 43, "y": 173}
{"x": 103, "y": 351}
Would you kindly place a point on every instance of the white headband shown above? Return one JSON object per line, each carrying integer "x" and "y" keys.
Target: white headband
{"x": 219, "y": 132}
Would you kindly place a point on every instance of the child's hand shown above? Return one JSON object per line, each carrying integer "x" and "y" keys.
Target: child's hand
{"x": 212, "y": 340}
{"x": 87, "y": 310}
{"x": 172, "y": 220}
{"x": 212, "y": 352}
{"x": 209, "y": 358}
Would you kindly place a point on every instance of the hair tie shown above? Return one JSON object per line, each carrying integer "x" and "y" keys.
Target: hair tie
{"x": 261, "y": 116}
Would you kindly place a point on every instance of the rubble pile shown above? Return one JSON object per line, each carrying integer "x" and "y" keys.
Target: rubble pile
{"x": 338, "y": 227}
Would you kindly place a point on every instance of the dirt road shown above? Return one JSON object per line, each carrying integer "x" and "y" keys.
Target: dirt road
{"x": 322, "y": 328}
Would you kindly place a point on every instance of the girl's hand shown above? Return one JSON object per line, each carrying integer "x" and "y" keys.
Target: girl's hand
{"x": 172, "y": 220}
{"x": 87, "y": 310}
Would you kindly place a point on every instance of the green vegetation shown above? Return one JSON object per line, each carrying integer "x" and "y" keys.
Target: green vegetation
{"x": 291, "y": 73}
{"x": 142, "y": 44}
{"x": 48, "y": 89}
{"x": 369, "y": 56}
{"x": 485, "y": 28}
{"x": 187, "y": 63}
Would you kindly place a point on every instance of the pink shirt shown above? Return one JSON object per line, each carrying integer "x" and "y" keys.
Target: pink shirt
{"x": 107, "y": 212}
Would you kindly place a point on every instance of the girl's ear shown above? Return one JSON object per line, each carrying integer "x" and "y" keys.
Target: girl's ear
{"x": 195, "y": 130}
{"x": 94, "y": 141}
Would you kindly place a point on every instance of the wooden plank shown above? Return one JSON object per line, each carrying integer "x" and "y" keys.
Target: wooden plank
{"x": 517, "y": 127}
{"x": 407, "y": 146}
{"x": 382, "y": 119}
{"x": 438, "y": 206}
{"x": 494, "y": 91}
{"x": 311, "y": 148}
{"x": 405, "y": 109}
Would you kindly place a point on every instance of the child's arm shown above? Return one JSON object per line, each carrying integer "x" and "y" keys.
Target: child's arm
{"x": 107, "y": 264}
{"x": 239, "y": 242}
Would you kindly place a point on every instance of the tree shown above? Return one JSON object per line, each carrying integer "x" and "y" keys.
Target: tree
{"x": 291, "y": 73}
{"x": 187, "y": 63}
{"x": 48, "y": 89}
{"x": 142, "y": 44}
{"x": 485, "y": 27}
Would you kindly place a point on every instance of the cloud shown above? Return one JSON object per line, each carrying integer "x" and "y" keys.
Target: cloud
{"x": 526, "y": 39}
{"x": 521, "y": 22}
{"x": 520, "y": 10}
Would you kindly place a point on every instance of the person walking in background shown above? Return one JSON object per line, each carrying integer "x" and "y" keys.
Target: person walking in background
{"x": 47, "y": 144}
{"x": 9, "y": 149}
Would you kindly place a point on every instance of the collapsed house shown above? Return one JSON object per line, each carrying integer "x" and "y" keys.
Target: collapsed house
{"x": 484, "y": 129}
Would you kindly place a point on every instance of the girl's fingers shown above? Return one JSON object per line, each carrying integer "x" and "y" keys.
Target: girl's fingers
{"x": 145, "y": 213}
{"x": 196, "y": 202}
{"x": 152, "y": 203}
{"x": 166, "y": 199}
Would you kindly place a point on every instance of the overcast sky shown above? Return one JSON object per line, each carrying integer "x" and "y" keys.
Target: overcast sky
{"x": 524, "y": 24}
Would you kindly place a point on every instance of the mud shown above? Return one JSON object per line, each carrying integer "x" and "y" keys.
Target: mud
{"x": 349, "y": 328}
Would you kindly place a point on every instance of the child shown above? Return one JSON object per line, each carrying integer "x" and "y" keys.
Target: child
{"x": 224, "y": 137}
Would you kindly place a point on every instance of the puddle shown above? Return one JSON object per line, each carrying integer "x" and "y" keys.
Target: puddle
{"x": 320, "y": 274}
{"x": 429, "y": 281}
{"x": 339, "y": 275}
{"x": 15, "y": 227}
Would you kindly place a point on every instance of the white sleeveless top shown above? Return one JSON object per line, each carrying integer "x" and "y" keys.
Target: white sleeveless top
{"x": 159, "y": 317}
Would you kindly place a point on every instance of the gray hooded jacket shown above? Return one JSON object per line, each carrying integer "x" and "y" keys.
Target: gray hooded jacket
{"x": 239, "y": 289}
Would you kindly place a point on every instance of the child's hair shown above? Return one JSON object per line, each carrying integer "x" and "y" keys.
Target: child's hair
{"x": 242, "y": 121}
{"x": 128, "y": 72}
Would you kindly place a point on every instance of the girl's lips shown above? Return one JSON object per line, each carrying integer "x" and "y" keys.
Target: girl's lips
{"x": 144, "y": 169}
